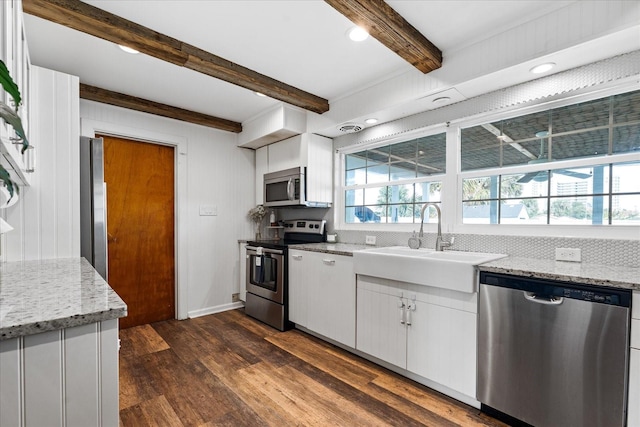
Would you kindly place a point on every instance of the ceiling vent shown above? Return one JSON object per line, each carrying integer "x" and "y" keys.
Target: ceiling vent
{"x": 350, "y": 127}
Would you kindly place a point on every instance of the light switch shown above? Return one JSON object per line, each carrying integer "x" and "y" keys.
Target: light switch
{"x": 208, "y": 210}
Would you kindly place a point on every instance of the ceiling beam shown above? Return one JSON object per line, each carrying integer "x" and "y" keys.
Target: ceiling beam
{"x": 100, "y": 23}
{"x": 105, "y": 96}
{"x": 392, "y": 30}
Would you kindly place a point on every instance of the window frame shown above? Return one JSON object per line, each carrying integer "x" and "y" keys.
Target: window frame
{"x": 451, "y": 201}
{"x": 340, "y": 177}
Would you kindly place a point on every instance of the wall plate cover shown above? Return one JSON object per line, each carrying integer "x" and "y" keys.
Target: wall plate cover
{"x": 208, "y": 210}
{"x": 568, "y": 254}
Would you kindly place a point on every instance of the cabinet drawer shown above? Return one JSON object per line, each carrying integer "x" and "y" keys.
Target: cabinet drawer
{"x": 635, "y": 333}
{"x": 635, "y": 313}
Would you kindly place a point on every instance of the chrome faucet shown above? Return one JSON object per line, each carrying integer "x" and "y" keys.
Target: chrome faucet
{"x": 440, "y": 243}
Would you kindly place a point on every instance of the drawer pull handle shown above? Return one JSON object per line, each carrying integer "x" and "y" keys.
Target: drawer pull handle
{"x": 329, "y": 261}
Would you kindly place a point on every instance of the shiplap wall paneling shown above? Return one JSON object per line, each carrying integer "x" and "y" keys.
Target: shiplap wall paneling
{"x": 81, "y": 367}
{"x": 43, "y": 379}
{"x": 109, "y": 385}
{"x": 67, "y": 377}
{"x": 45, "y": 220}
{"x": 10, "y": 383}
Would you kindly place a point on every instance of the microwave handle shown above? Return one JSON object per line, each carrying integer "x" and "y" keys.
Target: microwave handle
{"x": 290, "y": 192}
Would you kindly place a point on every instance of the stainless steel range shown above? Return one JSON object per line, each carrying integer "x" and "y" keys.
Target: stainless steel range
{"x": 267, "y": 278}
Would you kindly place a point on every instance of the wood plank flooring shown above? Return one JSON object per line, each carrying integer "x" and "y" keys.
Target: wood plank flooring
{"x": 227, "y": 369}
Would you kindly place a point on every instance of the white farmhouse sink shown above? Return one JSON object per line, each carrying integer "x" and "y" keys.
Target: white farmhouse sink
{"x": 447, "y": 269}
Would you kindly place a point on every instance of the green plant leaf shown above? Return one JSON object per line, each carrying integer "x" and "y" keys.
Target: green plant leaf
{"x": 9, "y": 85}
{"x": 12, "y": 118}
{"x": 11, "y": 186}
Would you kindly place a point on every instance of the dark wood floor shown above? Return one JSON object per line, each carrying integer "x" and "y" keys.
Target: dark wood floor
{"x": 230, "y": 370}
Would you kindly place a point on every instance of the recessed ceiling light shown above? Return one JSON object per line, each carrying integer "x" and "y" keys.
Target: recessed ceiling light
{"x": 128, "y": 49}
{"x": 260, "y": 94}
{"x": 371, "y": 121}
{"x": 441, "y": 100}
{"x": 358, "y": 34}
{"x": 542, "y": 68}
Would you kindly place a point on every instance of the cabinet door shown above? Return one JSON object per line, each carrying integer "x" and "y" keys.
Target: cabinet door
{"x": 298, "y": 277}
{"x": 441, "y": 346}
{"x": 319, "y": 169}
{"x": 380, "y": 331}
{"x": 262, "y": 167}
{"x": 633, "y": 408}
{"x": 332, "y": 297}
{"x": 286, "y": 154}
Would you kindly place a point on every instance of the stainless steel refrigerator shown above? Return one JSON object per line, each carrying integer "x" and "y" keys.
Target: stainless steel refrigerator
{"x": 93, "y": 204}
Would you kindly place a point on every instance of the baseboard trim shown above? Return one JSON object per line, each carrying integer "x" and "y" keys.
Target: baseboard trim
{"x": 216, "y": 309}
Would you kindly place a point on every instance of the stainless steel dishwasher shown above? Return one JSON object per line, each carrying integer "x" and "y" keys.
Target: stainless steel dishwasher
{"x": 553, "y": 353}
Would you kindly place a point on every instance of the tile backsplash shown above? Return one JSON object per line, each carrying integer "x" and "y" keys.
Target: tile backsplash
{"x": 595, "y": 251}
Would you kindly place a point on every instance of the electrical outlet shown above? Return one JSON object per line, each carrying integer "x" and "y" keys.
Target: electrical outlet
{"x": 568, "y": 254}
{"x": 370, "y": 240}
{"x": 235, "y": 297}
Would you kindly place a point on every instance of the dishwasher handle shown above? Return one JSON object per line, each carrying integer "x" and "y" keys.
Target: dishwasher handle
{"x": 543, "y": 299}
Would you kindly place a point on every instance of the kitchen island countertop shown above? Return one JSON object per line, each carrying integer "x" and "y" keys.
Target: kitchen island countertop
{"x": 47, "y": 295}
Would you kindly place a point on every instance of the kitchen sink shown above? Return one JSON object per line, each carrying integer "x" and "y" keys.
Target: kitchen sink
{"x": 453, "y": 270}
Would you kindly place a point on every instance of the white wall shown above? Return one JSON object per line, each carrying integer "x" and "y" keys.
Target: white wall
{"x": 218, "y": 173}
{"x": 46, "y": 218}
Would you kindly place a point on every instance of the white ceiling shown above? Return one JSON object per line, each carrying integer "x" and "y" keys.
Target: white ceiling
{"x": 301, "y": 43}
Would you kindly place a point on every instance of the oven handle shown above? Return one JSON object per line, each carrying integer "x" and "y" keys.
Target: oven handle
{"x": 266, "y": 250}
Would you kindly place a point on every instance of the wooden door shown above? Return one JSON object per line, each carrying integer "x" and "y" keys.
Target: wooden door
{"x": 140, "y": 228}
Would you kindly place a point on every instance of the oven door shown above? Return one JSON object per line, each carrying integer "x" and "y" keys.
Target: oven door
{"x": 265, "y": 273}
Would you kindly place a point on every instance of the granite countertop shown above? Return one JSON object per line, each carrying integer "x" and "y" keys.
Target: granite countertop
{"x": 573, "y": 272}
{"x": 346, "y": 249}
{"x": 47, "y": 295}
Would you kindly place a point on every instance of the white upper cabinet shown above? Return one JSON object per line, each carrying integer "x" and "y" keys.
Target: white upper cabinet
{"x": 313, "y": 152}
{"x": 15, "y": 54}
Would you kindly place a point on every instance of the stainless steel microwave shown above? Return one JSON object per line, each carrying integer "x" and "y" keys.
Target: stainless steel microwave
{"x": 285, "y": 188}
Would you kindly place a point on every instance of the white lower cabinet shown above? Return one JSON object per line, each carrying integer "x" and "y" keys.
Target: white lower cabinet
{"x": 633, "y": 407}
{"x": 442, "y": 346}
{"x": 298, "y": 285}
{"x": 633, "y": 414}
{"x": 67, "y": 377}
{"x": 428, "y": 331}
{"x": 322, "y": 294}
{"x": 382, "y": 332}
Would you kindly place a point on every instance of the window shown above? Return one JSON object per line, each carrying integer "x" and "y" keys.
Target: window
{"x": 388, "y": 184}
{"x": 572, "y": 165}
{"x": 601, "y": 194}
{"x": 607, "y": 193}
